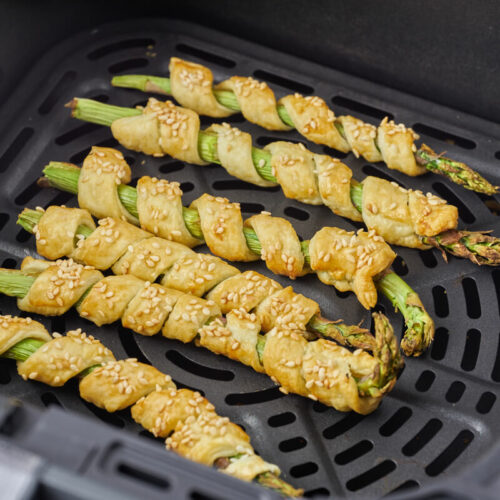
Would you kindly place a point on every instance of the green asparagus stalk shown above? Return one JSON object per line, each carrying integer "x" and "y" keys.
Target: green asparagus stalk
{"x": 471, "y": 248}
{"x": 25, "y": 348}
{"x": 455, "y": 171}
{"x": 419, "y": 324}
{"x": 16, "y": 283}
{"x": 348, "y": 335}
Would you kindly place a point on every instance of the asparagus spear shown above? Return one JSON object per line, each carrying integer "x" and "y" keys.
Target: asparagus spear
{"x": 16, "y": 283}
{"x": 349, "y": 335}
{"x": 419, "y": 324}
{"x": 25, "y": 348}
{"x": 471, "y": 248}
{"x": 457, "y": 172}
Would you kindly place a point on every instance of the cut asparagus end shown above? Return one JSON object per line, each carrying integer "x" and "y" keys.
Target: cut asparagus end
{"x": 388, "y": 355}
{"x": 146, "y": 83}
{"x": 15, "y": 283}
{"x": 456, "y": 171}
{"x": 97, "y": 112}
{"x": 477, "y": 246}
{"x": 348, "y": 335}
{"x": 419, "y": 325}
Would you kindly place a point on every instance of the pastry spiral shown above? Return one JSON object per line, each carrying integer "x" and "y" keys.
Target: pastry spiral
{"x": 188, "y": 420}
{"x": 310, "y": 178}
{"x": 283, "y": 353}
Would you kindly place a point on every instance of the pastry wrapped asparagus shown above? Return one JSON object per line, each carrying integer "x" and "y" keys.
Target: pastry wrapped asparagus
{"x": 402, "y": 217}
{"x": 346, "y": 260}
{"x": 191, "y": 85}
{"x": 318, "y": 369}
{"x": 188, "y": 421}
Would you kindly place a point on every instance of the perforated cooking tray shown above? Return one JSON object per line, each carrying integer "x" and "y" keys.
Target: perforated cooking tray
{"x": 443, "y": 414}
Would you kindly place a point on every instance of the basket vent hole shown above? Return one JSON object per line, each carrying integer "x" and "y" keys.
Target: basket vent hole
{"x": 296, "y": 213}
{"x": 108, "y": 418}
{"x": 286, "y": 83}
{"x": 440, "y": 301}
{"x": 23, "y": 236}
{"x": 490, "y": 203}
{"x": 27, "y": 194}
{"x": 354, "y": 452}
{"x": 394, "y": 423}
{"x": 305, "y": 469}
{"x": 425, "y": 381}
{"x": 486, "y": 402}
{"x": 4, "y": 218}
{"x": 334, "y": 153}
{"x": 378, "y": 172}
{"x": 251, "y": 208}
{"x": 407, "y": 485}
{"x": 450, "y": 454}
{"x": 122, "y": 66}
{"x": 170, "y": 167}
{"x": 187, "y": 364}
{"x": 206, "y": 121}
{"x": 187, "y": 187}
{"x": 50, "y": 399}
{"x": 134, "y": 472}
{"x": 318, "y": 492}
{"x": 251, "y": 398}
{"x": 5, "y": 377}
{"x": 495, "y": 373}
{"x": 197, "y": 495}
{"x": 292, "y": 444}
{"x": 76, "y": 133}
{"x": 78, "y": 158}
{"x": 428, "y": 258}
{"x": 282, "y": 419}
{"x": 319, "y": 407}
{"x": 471, "y": 350}
{"x": 370, "y": 476}
{"x": 206, "y": 56}
{"x": 127, "y": 338}
{"x": 237, "y": 184}
{"x": 132, "y": 43}
{"x": 59, "y": 90}
{"x": 9, "y": 263}
{"x": 15, "y": 148}
{"x": 440, "y": 343}
{"x": 60, "y": 198}
{"x": 359, "y": 107}
{"x": 445, "y": 192}
{"x": 422, "y": 437}
{"x": 496, "y": 282}
{"x": 455, "y": 392}
{"x": 471, "y": 298}
{"x": 58, "y": 324}
{"x": 400, "y": 266}
{"x": 264, "y": 140}
{"x": 343, "y": 425}
{"x": 442, "y": 135}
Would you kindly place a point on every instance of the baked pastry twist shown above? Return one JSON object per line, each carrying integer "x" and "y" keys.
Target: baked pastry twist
{"x": 314, "y": 179}
{"x": 284, "y": 353}
{"x": 192, "y": 87}
{"x": 188, "y": 420}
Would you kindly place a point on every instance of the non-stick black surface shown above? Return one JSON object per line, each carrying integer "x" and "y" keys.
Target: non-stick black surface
{"x": 441, "y": 417}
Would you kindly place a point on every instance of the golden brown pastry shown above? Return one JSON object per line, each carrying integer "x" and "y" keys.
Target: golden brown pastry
{"x": 196, "y": 431}
{"x": 283, "y": 353}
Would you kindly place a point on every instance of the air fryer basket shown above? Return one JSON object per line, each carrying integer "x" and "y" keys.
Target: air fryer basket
{"x": 442, "y": 416}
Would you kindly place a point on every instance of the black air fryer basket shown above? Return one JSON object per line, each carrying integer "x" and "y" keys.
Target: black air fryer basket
{"x": 435, "y": 435}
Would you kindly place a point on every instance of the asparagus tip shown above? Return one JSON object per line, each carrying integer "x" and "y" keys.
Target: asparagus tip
{"x": 72, "y": 104}
{"x": 477, "y": 246}
{"x": 43, "y": 182}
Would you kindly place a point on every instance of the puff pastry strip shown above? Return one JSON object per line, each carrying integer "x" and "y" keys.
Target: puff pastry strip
{"x": 237, "y": 338}
{"x": 394, "y": 144}
{"x": 188, "y": 420}
{"x": 347, "y": 260}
